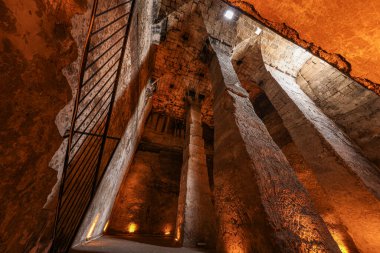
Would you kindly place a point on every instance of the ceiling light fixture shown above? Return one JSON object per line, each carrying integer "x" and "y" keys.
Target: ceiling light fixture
{"x": 229, "y": 14}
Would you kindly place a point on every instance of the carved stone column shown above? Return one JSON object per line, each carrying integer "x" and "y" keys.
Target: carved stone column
{"x": 260, "y": 204}
{"x": 196, "y": 217}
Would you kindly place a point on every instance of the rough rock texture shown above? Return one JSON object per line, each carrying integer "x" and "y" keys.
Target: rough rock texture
{"x": 328, "y": 151}
{"x": 261, "y": 206}
{"x": 281, "y": 136}
{"x": 35, "y": 46}
{"x": 178, "y": 64}
{"x": 354, "y": 108}
{"x": 96, "y": 93}
{"x": 100, "y": 209}
{"x": 42, "y": 38}
{"x": 350, "y": 27}
{"x": 149, "y": 193}
{"x": 180, "y": 61}
{"x": 326, "y": 210}
{"x": 258, "y": 55}
{"x": 127, "y": 123}
{"x": 333, "y": 158}
{"x": 284, "y": 93}
{"x": 166, "y": 7}
{"x": 196, "y": 217}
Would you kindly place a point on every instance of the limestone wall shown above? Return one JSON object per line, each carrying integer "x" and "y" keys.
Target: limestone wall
{"x": 354, "y": 108}
{"x": 281, "y": 136}
{"x": 128, "y": 117}
{"x": 147, "y": 199}
{"x": 38, "y": 39}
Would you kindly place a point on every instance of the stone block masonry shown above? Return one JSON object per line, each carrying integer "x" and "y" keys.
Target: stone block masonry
{"x": 260, "y": 204}
{"x": 195, "y": 218}
{"x": 351, "y": 181}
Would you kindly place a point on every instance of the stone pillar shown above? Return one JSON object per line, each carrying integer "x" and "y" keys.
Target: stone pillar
{"x": 351, "y": 182}
{"x": 336, "y": 165}
{"x": 196, "y": 216}
{"x": 260, "y": 204}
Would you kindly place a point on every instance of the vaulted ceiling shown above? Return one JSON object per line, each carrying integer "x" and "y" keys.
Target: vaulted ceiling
{"x": 323, "y": 28}
{"x": 343, "y": 32}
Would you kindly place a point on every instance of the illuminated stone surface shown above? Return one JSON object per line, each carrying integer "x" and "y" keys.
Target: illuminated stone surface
{"x": 196, "y": 216}
{"x": 151, "y": 186}
{"x": 259, "y": 201}
{"x": 337, "y": 135}
{"x": 335, "y": 161}
{"x": 280, "y": 135}
{"x": 344, "y": 34}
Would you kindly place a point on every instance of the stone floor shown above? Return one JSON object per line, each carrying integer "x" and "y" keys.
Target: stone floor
{"x": 112, "y": 244}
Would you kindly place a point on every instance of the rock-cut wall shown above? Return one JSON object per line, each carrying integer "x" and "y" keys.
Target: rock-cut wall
{"x": 36, "y": 43}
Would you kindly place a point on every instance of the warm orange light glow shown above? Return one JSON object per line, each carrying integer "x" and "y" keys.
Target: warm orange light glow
{"x": 106, "y": 226}
{"x": 91, "y": 230}
{"x": 343, "y": 248}
{"x": 132, "y": 227}
{"x": 168, "y": 229}
{"x": 338, "y": 237}
{"x": 178, "y": 234}
{"x": 235, "y": 249}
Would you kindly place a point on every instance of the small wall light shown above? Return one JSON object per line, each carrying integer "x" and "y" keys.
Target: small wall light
{"x": 229, "y": 14}
{"x": 132, "y": 227}
{"x": 258, "y": 30}
{"x": 106, "y": 226}
{"x": 91, "y": 230}
{"x": 167, "y": 229}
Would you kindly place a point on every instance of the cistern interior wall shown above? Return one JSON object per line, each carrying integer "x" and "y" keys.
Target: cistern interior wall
{"x": 259, "y": 132}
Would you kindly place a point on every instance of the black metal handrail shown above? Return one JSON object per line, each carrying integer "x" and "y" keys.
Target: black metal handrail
{"x": 99, "y": 77}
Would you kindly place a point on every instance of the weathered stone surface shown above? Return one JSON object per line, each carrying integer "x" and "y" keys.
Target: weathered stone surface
{"x": 354, "y": 108}
{"x": 260, "y": 204}
{"x": 100, "y": 209}
{"x": 196, "y": 216}
{"x": 333, "y": 157}
{"x": 321, "y": 199}
{"x": 148, "y": 196}
{"x": 40, "y": 39}
{"x": 129, "y": 115}
{"x": 36, "y": 45}
{"x": 354, "y": 51}
{"x": 259, "y": 55}
{"x": 335, "y": 161}
{"x": 305, "y": 174}
{"x": 285, "y": 94}
{"x": 178, "y": 66}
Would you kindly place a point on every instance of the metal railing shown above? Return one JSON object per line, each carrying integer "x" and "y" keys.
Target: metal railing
{"x": 100, "y": 72}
